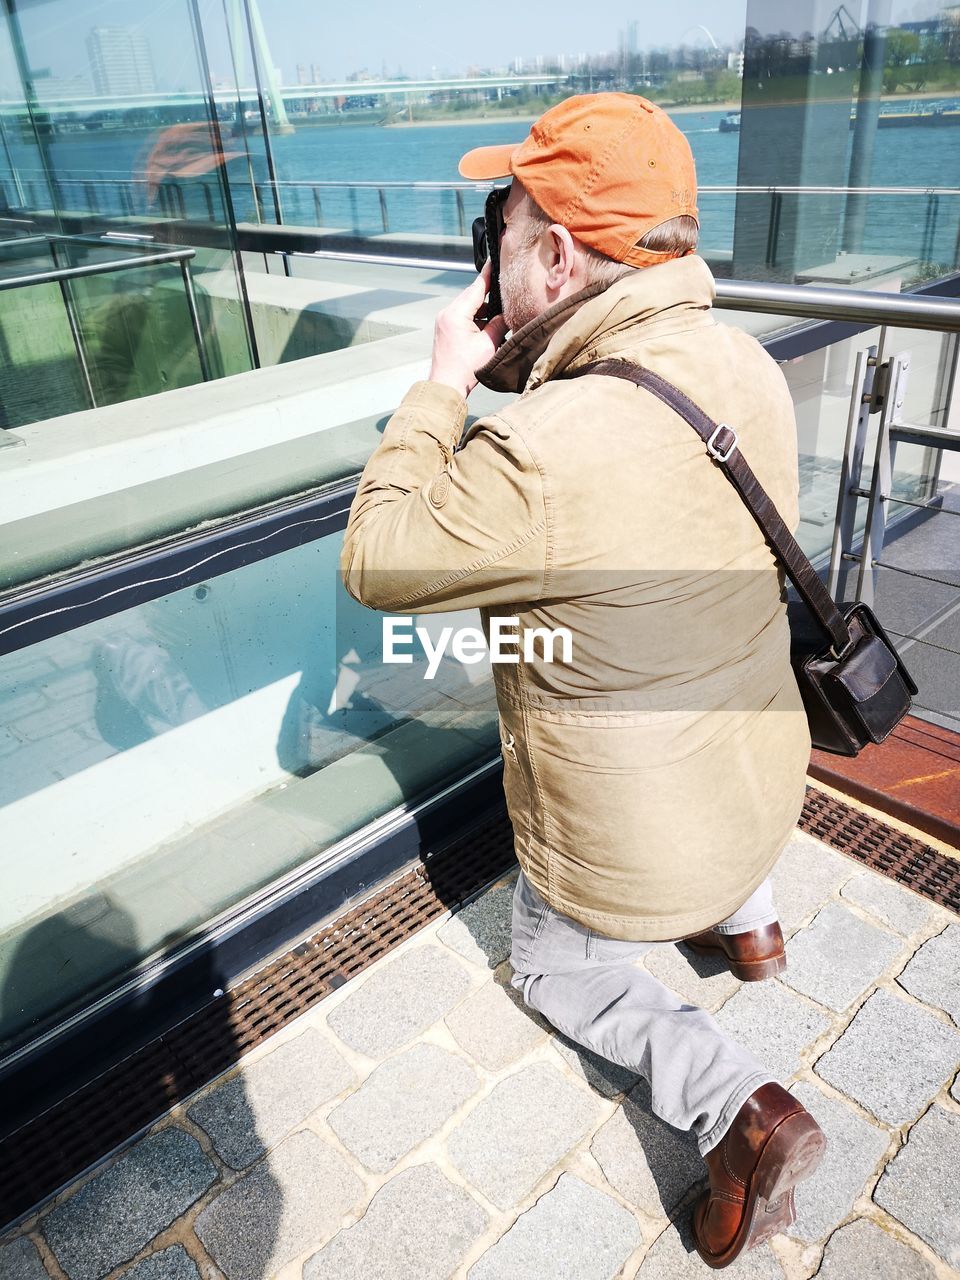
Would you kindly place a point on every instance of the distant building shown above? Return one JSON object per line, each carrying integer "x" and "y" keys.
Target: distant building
{"x": 120, "y": 62}
{"x": 735, "y": 63}
{"x": 48, "y": 88}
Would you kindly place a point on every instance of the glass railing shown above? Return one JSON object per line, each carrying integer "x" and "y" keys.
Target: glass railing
{"x": 879, "y": 236}
{"x": 132, "y": 332}
{"x": 217, "y": 719}
{"x": 187, "y": 712}
{"x": 165, "y": 762}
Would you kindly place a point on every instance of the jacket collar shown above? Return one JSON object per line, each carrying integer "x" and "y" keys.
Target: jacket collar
{"x": 586, "y": 326}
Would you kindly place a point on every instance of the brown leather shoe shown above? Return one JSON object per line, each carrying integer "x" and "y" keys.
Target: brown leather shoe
{"x": 751, "y": 956}
{"x": 771, "y": 1146}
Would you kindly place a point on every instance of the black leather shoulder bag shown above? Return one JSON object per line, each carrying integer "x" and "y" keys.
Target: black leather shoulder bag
{"x": 855, "y": 688}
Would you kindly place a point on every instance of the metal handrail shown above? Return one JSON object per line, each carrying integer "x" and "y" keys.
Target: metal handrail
{"x": 815, "y": 302}
{"x": 95, "y": 269}
{"x": 805, "y": 302}
{"x": 63, "y": 275}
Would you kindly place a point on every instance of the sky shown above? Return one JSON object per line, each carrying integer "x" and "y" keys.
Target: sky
{"x": 419, "y": 37}
{"x": 448, "y": 35}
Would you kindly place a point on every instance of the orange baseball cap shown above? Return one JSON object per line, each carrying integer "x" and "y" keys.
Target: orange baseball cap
{"x": 607, "y": 166}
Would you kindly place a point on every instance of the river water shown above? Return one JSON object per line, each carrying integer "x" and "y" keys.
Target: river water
{"x": 912, "y": 157}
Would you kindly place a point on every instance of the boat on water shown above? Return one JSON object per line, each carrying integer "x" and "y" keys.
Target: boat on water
{"x": 913, "y": 114}
{"x": 730, "y": 122}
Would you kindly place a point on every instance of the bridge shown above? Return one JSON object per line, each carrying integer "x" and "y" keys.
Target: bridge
{"x": 77, "y": 105}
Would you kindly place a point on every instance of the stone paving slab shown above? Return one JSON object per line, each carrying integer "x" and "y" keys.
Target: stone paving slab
{"x": 169, "y": 1264}
{"x": 651, "y": 1164}
{"x": 863, "y": 1251}
{"x": 854, "y": 1150}
{"x": 535, "y": 1133}
{"x": 574, "y": 1232}
{"x": 919, "y": 1186}
{"x": 397, "y": 1002}
{"x": 806, "y": 875}
{"x": 673, "y": 1257}
{"x": 892, "y": 1059}
{"x": 604, "y": 1077}
{"x": 774, "y": 1024}
{"x": 895, "y": 906}
{"x": 21, "y": 1261}
{"x": 518, "y": 1132}
{"x": 838, "y": 957}
{"x": 294, "y": 1198}
{"x": 933, "y": 975}
{"x": 402, "y": 1103}
{"x": 481, "y": 931}
{"x": 250, "y": 1113}
{"x": 418, "y": 1227}
{"x": 494, "y": 1027}
{"x": 701, "y": 980}
{"x": 119, "y": 1211}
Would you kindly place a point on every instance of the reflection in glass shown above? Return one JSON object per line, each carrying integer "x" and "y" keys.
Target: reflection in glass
{"x": 113, "y": 132}
{"x": 171, "y": 760}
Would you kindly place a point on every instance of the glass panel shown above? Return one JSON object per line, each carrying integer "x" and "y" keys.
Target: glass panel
{"x": 821, "y": 385}
{"x": 843, "y": 175}
{"x": 831, "y": 118}
{"x": 163, "y": 764}
{"x": 21, "y": 169}
{"x": 117, "y": 115}
{"x": 916, "y": 578}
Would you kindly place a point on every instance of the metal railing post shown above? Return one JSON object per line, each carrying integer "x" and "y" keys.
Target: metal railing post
{"x": 929, "y": 228}
{"x": 75, "y": 330}
{"x": 195, "y": 319}
{"x": 851, "y": 467}
{"x": 318, "y": 207}
{"x": 383, "y": 210}
{"x": 773, "y": 228}
{"x": 881, "y": 483}
{"x": 461, "y": 214}
{"x": 353, "y": 208}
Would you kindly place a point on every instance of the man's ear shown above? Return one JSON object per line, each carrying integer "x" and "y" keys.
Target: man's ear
{"x": 561, "y": 261}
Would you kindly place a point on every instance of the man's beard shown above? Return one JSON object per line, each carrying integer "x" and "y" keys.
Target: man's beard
{"x": 519, "y": 304}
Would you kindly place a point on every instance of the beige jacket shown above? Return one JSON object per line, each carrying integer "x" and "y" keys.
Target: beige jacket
{"x": 652, "y": 780}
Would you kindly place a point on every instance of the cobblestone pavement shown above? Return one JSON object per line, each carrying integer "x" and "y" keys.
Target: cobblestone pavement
{"x": 421, "y": 1124}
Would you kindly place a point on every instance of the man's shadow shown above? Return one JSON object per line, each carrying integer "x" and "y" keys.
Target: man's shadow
{"x": 76, "y": 1106}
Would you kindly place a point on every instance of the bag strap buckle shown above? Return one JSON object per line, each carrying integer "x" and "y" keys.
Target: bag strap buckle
{"x": 845, "y": 651}
{"x": 718, "y": 451}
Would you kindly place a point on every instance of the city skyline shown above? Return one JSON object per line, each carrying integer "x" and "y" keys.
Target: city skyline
{"x": 335, "y": 45}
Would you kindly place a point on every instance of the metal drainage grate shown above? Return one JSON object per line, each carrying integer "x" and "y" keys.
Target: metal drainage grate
{"x": 55, "y": 1148}
{"x": 881, "y": 848}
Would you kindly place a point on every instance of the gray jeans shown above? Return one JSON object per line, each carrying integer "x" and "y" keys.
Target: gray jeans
{"x": 588, "y": 986}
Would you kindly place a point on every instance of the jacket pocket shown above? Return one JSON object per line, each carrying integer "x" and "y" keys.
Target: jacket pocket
{"x": 519, "y": 783}
{"x": 515, "y": 785}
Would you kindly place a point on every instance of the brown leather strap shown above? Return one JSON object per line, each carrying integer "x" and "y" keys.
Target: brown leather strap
{"x": 721, "y": 442}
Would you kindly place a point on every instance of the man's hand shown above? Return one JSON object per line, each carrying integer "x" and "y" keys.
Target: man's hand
{"x": 459, "y": 347}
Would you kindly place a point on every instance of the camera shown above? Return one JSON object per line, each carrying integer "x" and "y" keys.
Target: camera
{"x": 486, "y": 244}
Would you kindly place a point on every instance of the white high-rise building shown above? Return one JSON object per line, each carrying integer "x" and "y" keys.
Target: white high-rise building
{"x": 120, "y": 61}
